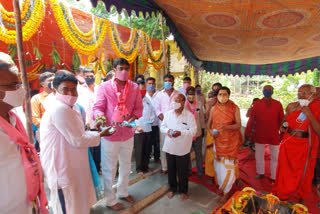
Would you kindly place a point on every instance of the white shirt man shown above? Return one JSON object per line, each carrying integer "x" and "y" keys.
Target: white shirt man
{"x": 179, "y": 127}
{"x": 163, "y": 103}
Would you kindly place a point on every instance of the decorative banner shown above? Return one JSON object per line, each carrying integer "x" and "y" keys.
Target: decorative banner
{"x": 32, "y": 13}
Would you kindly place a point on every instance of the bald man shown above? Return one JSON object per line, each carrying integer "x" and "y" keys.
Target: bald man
{"x": 299, "y": 147}
{"x": 267, "y": 116}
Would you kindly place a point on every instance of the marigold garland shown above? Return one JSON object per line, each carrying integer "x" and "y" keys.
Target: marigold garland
{"x": 85, "y": 43}
{"x": 32, "y": 18}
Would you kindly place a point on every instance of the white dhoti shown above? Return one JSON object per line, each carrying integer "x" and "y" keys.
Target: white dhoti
{"x": 226, "y": 172}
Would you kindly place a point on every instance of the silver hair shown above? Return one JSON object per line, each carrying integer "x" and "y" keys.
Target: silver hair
{"x": 311, "y": 88}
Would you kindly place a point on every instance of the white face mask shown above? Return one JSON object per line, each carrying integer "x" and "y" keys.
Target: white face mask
{"x": 176, "y": 105}
{"x": 303, "y": 102}
{"x": 15, "y": 98}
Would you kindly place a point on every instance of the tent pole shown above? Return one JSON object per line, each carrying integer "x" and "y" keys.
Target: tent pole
{"x": 163, "y": 44}
{"x": 22, "y": 65}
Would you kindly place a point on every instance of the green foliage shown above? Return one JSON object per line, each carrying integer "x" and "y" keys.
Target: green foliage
{"x": 102, "y": 12}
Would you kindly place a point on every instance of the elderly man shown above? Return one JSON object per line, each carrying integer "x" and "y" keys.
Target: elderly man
{"x": 118, "y": 100}
{"x": 163, "y": 103}
{"x": 64, "y": 150}
{"x": 179, "y": 127}
{"x": 299, "y": 146}
{"x": 266, "y": 116}
{"x": 224, "y": 125}
{"x": 15, "y": 173}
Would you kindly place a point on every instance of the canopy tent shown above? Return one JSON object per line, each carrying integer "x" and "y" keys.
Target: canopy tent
{"x": 247, "y": 37}
{"x": 43, "y": 28}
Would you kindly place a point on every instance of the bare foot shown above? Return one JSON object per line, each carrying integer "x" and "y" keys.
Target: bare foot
{"x": 183, "y": 196}
{"x": 117, "y": 206}
{"x": 224, "y": 199}
{"x": 163, "y": 172}
{"x": 170, "y": 195}
{"x": 140, "y": 173}
{"x": 219, "y": 192}
{"x": 129, "y": 198}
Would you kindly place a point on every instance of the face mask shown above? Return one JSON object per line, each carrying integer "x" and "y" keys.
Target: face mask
{"x": 267, "y": 93}
{"x": 122, "y": 75}
{"x": 15, "y": 98}
{"x": 198, "y": 91}
{"x": 185, "y": 86}
{"x": 167, "y": 85}
{"x": 223, "y": 100}
{"x": 303, "y": 102}
{"x": 151, "y": 87}
{"x": 90, "y": 80}
{"x": 176, "y": 105}
{"x": 143, "y": 92}
{"x": 66, "y": 99}
{"x": 190, "y": 98}
{"x": 302, "y": 116}
{"x": 50, "y": 85}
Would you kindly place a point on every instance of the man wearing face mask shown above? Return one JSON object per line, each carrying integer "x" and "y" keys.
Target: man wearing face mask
{"x": 179, "y": 127}
{"x": 118, "y": 100}
{"x": 212, "y": 101}
{"x": 19, "y": 184}
{"x": 163, "y": 103}
{"x": 186, "y": 84}
{"x": 199, "y": 95}
{"x": 64, "y": 150}
{"x": 266, "y": 116}
{"x": 196, "y": 108}
{"x": 155, "y": 135}
{"x": 38, "y": 110}
{"x": 299, "y": 146}
{"x": 142, "y": 143}
{"x": 224, "y": 125}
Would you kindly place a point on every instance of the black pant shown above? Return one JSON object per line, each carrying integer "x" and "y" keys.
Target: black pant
{"x": 62, "y": 201}
{"x": 155, "y": 140}
{"x": 178, "y": 165}
{"x": 197, "y": 147}
{"x": 142, "y": 147}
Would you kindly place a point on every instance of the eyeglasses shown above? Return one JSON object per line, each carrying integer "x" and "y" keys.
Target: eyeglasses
{"x": 16, "y": 86}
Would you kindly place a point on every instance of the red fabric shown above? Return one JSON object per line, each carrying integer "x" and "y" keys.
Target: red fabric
{"x": 293, "y": 155}
{"x": 31, "y": 163}
{"x": 247, "y": 169}
{"x": 267, "y": 120}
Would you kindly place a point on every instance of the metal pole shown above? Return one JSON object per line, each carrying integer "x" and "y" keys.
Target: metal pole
{"x": 22, "y": 65}
{"x": 163, "y": 44}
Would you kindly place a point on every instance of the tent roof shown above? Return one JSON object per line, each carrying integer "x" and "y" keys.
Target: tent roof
{"x": 240, "y": 37}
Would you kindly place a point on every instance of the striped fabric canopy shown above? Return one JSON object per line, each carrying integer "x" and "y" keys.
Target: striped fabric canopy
{"x": 247, "y": 37}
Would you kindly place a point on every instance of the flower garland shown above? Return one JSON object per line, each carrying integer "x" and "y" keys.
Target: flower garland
{"x": 104, "y": 72}
{"x": 128, "y": 50}
{"x": 32, "y": 14}
{"x": 85, "y": 43}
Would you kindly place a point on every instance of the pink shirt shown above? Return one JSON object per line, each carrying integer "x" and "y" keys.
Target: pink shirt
{"x": 106, "y": 102}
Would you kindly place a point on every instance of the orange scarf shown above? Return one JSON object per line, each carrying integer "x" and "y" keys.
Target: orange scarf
{"x": 226, "y": 141}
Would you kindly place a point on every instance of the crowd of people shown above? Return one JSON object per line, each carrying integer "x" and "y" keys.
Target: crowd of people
{"x": 82, "y": 130}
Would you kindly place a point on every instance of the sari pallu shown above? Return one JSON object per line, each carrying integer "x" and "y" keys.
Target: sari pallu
{"x": 226, "y": 141}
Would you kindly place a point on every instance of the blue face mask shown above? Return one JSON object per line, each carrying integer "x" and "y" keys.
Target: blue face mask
{"x": 198, "y": 91}
{"x": 167, "y": 85}
{"x": 150, "y": 87}
{"x": 267, "y": 93}
{"x": 302, "y": 117}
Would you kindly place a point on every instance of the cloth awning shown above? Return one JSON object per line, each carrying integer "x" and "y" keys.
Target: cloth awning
{"x": 247, "y": 37}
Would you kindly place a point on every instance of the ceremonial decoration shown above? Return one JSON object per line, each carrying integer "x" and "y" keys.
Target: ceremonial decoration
{"x": 85, "y": 43}
{"x": 31, "y": 17}
{"x": 32, "y": 75}
{"x": 249, "y": 201}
